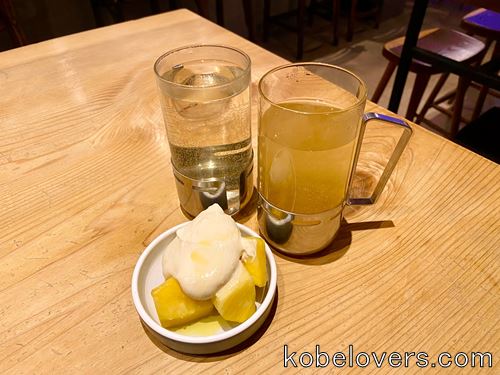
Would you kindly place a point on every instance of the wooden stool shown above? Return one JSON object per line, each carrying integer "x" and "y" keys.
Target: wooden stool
{"x": 448, "y": 43}
{"x": 482, "y": 22}
{"x": 485, "y": 23}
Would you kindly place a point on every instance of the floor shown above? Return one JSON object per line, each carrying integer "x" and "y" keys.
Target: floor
{"x": 363, "y": 55}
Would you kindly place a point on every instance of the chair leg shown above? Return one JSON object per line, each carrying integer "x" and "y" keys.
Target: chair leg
{"x": 351, "y": 20}
{"x": 310, "y": 12}
{"x": 300, "y": 28}
{"x": 419, "y": 86}
{"x": 117, "y": 12}
{"x": 97, "y": 13}
{"x": 248, "y": 10}
{"x": 496, "y": 51}
{"x": 335, "y": 21}
{"x": 267, "y": 16}
{"x": 155, "y": 6}
{"x": 487, "y": 45}
{"x": 432, "y": 97}
{"x": 203, "y": 8}
{"x": 484, "y": 89}
{"x": 383, "y": 81}
{"x": 480, "y": 102}
{"x": 463, "y": 84}
{"x": 219, "y": 8}
{"x": 16, "y": 34}
{"x": 378, "y": 14}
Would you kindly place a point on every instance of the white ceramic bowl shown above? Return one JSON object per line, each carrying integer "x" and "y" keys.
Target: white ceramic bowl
{"x": 148, "y": 274}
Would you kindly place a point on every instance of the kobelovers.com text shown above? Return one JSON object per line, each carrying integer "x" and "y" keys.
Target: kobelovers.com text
{"x": 352, "y": 358}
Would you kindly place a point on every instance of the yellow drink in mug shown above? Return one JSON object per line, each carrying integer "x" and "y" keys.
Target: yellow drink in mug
{"x": 307, "y": 164}
{"x": 310, "y": 126}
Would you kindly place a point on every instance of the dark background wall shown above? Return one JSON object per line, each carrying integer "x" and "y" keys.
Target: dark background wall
{"x": 45, "y": 19}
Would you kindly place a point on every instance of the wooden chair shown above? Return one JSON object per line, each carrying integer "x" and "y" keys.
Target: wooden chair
{"x": 482, "y": 135}
{"x": 301, "y": 11}
{"x": 203, "y": 7}
{"x": 445, "y": 42}
{"x": 115, "y": 10}
{"x": 8, "y": 22}
{"x": 484, "y": 23}
{"x": 354, "y": 14}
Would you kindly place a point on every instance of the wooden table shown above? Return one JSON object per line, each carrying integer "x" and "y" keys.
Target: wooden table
{"x": 86, "y": 184}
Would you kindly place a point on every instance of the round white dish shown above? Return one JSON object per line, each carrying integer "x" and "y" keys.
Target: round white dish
{"x": 148, "y": 274}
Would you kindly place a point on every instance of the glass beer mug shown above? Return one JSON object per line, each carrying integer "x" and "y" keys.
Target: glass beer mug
{"x": 311, "y": 125}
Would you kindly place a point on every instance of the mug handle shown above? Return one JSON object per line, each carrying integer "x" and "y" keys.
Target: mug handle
{"x": 403, "y": 140}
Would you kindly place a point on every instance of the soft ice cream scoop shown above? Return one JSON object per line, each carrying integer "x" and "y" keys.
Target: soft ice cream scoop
{"x": 204, "y": 254}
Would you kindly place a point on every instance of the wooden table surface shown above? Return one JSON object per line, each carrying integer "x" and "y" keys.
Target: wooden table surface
{"x": 86, "y": 184}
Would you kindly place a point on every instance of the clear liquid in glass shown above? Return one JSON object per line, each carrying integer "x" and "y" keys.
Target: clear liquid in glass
{"x": 206, "y": 107}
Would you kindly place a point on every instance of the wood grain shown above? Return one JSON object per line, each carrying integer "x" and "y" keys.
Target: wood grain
{"x": 85, "y": 185}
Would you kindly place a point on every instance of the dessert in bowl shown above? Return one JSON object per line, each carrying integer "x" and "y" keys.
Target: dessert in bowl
{"x": 205, "y": 286}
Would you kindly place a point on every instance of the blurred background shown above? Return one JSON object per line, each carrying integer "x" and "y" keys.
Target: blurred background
{"x": 360, "y": 35}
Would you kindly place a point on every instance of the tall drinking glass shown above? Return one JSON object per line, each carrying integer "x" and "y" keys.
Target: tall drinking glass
{"x": 311, "y": 125}
{"x": 205, "y": 99}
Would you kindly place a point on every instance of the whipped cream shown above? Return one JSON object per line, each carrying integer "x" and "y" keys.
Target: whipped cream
{"x": 204, "y": 254}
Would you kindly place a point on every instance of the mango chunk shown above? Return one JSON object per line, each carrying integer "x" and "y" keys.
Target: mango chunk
{"x": 235, "y": 301}
{"x": 174, "y": 307}
{"x": 256, "y": 265}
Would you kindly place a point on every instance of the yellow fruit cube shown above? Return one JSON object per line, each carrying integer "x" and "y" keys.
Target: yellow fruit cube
{"x": 235, "y": 301}
{"x": 174, "y": 307}
{"x": 256, "y": 265}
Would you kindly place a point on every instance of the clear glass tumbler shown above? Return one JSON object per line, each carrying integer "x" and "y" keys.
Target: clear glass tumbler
{"x": 205, "y": 99}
